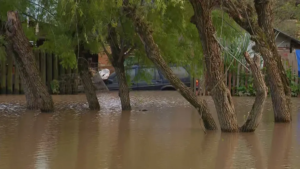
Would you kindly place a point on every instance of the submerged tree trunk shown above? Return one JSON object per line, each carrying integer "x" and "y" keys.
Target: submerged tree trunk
{"x": 32, "y": 101}
{"x": 153, "y": 53}
{"x": 22, "y": 47}
{"x": 255, "y": 114}
{"x": 86, "y": 79}
{"x": 265, "y": 21}
{"x": 261, "y": 30}
{"x": 212, "y": 54}
{"x": 31, "y": 98}
{"x": 117, "y": 59}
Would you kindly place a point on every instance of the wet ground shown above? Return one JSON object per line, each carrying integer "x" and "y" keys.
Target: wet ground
{"x": 166, "y": 136}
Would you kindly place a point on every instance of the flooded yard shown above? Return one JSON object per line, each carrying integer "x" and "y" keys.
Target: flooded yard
{"x": 161, "y": 132}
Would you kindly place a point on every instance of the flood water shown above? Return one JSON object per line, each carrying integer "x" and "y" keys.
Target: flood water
{"x": 161, "y": 132}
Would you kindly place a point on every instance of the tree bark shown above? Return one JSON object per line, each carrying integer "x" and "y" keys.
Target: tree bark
{"x": 153, "y": 53}
{"x": 265, "y": 21}
{"x": 117, "y": 58}
{"x": 261, "y": 30}
{"x": 22, "y": 47}
{"x": 31, "y": 97}
{"x": 123, "y": 87}
{"x": 255, "y": 114}
{"x": 86, "y": 78}
{"x": 212, "y": 54}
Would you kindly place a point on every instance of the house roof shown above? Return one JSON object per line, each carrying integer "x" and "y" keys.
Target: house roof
{"x": 289, "y": 36}
{"x": 295, "y": 43}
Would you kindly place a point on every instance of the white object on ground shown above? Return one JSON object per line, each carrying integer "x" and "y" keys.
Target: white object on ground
{"x": 104, "y": 73}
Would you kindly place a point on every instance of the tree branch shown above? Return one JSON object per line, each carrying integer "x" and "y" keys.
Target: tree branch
{"x": 104, "y": 48}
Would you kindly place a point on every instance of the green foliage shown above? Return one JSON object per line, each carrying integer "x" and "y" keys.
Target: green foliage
{"x": 226, "y": 28}
{"x": 295, "y": 88}
{"x": 29, "y": 32}
{"x": 246, "y": 90}
{"x": 54, "y": 86}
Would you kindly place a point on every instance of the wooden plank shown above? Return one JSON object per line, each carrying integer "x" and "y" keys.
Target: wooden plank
{"x": 17, "y": 82}
{"x": 43, "y": 67}
{"x": 233, "y": 91}
{"x": 37, "y": 54}
{"x": 75, "y": 84}
{"x": 238, "y": 76}
{"x": 49, "y": 69}
{"x": 3, "y": 77}
{"x": 229, "y": 81}
{"x": 62, "y": 80}
{"x": 69, "y": 81}
{"x": 55, "y": 67}
{"x": 9, "y": 75}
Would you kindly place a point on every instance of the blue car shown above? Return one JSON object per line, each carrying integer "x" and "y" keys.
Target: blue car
{"x": 148, "y": 78}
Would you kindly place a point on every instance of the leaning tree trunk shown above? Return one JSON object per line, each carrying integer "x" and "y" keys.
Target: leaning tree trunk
{"x": 261, "y": 30}
{"x": 86, "y": 79}
{"x": 255, "y": 114}
{"x": 31, "y": 97}
{"x": 153, "y": 53}
{"x": 220, "y": 93}
{"x": 22, "y": 47}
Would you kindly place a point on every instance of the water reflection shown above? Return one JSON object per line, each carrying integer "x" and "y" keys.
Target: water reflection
{"x": 167, "y": 135}
{"x": 281, "y": 146}
{"x": 226, "y": 148}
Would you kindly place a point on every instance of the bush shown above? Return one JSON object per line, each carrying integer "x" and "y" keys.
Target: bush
{"x": 55, "y": 86}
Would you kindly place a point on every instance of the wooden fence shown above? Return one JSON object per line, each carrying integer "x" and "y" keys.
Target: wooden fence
{"x": 239, "y": 80}
{"x": 49, "y": 69}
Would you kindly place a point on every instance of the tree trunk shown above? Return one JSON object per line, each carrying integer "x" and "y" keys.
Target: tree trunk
{"x": 255, "y": 114}
{"x": 220, "y": 93}
{"x": 22, "y": 47}
{"x": 265, "y": 21}
{"x": 88, "y": 85}
{"x": 261, "y": 30}
{"x": 117, "y": 59}
{"x": 123, "y": 86}
{"x": 31, "y": 97}
{"x": 153, "y": 53}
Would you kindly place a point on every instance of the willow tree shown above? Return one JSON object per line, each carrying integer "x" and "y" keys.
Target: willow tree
{"x": 257, "y": 19}
{"x": 144, "y": 31}
{"x": 69, "y": 35}
{"x": 18, "y": 47}
{"x": 212, "y": 56}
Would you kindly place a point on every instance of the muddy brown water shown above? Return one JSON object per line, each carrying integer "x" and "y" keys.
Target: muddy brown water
{"x": 166, "y": 136}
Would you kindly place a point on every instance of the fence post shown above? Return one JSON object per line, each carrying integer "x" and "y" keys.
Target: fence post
{"x": 49, "y": 70}
{"x": 55, "y": 67}
{"x": 17, "y": 82}
{"x": 75, "y": 81}
{"x": 69, "y": 80}
{"x": 3, "y": 76}
{"x": 229, "y": 81}
{"x": 37, "y": 59}
{"x": 62, "y": 77}
{"x": 9, "y": 75}
{"x": 43, "y": 67}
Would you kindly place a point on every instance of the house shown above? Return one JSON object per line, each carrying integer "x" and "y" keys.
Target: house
{"x": 103, "y": 61}
{"x": 287, "y": 46}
